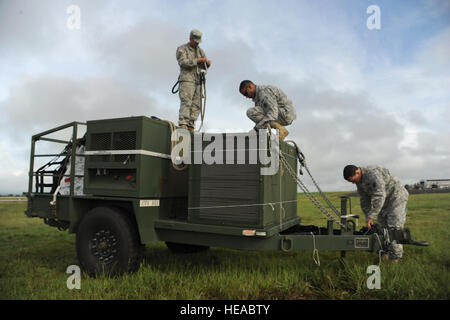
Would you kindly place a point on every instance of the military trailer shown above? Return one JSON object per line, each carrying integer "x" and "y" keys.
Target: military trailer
{"x": 128, "y": 192}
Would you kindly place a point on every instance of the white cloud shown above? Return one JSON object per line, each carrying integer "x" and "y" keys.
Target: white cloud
{"x": 13, "y": 173}
{"x": 50, "y": 101}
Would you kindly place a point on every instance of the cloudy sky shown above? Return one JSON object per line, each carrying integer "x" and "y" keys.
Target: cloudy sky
{"x": 363, "y": 96}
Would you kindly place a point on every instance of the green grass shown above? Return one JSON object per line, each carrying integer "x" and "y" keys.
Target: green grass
{"x": 34, "y": 258}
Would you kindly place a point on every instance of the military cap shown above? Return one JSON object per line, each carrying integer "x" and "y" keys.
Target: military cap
{"x": 196, "y": 35}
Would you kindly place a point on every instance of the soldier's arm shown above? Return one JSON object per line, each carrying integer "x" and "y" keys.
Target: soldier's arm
{"x": 377, "y": 197}
{"x": 270, "y": 107}
{"x": 183, "y": 59}
{"x": 207, "y": 62}
{"x": 365, "y": 203}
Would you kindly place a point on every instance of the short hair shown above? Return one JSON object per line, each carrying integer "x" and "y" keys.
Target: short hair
{"x": 349, "y": 171}
{"x": 244, "y": 83}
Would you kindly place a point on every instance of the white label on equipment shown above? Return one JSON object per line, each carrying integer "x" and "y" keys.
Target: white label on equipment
{"x": 149, "y": 203}
{"x": 362, "y": 243}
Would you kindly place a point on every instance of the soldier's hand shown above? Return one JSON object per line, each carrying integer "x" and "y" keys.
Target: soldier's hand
{"x": 208, "y": 62}
{"x": 369, "y": 223}
{"x": 201, "y": 60}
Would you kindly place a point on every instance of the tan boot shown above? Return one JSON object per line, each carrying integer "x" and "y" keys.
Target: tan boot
{"x": 282, "y": 130}
{"x": 385, "y": 258}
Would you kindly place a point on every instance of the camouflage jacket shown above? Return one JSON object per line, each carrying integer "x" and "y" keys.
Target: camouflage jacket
{"x": 272, "y": 99}
{"x": 378, "y": 189}
{"x": 187, "y": 60}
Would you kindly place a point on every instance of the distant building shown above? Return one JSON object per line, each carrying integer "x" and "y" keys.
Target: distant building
{"x": 430, "y": 184}
{"x": 437, "y": 183}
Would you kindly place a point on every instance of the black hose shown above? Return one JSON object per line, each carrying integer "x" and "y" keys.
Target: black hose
{"x": 202, "y": 101}
{"x": 176, "y": 84}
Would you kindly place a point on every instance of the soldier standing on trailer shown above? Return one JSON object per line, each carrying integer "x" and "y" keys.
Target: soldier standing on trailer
{"x": 191, "y": 59}
{"x": 383, "y": 197}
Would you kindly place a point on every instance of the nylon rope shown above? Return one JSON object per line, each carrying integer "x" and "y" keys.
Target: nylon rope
{"x": 272, "y": 204}
{"x": 316, "y": 256}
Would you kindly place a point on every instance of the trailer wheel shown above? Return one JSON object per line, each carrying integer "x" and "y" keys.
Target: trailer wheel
{"x": 107, "y": 241}
{"x": 184, "y": 248}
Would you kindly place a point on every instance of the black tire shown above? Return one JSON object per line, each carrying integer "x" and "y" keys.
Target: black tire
{"x": 107, "y": 241}
{"x": 185, "y": 248}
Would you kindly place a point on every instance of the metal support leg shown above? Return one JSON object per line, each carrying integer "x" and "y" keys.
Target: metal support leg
{"x": 344, "y": 212}
{"x": 330, "y": 227}
{"x": 342, "y": 259}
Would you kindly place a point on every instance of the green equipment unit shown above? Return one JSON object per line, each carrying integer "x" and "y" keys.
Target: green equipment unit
{"x": 256, "y": 200}
{"x": 129, "y": 158}
{"x": 134, "y": 194}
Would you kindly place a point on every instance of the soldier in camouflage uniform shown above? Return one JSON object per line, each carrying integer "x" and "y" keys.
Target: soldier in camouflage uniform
{"x": 383, "y": 197}
{"x": 272, "y": 107}
{"x": 191, "y": 59}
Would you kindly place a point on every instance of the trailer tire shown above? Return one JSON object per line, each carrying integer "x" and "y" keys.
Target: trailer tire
{"x": 107, "y": 242}
{"x": 185, "y": 248}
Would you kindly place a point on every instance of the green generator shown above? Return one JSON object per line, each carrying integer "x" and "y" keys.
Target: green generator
{"x": 238, "y": 194}
{"x": 131, "y": 157}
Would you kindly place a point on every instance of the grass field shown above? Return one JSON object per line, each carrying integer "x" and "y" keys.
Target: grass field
{"x": 34, "y": 258}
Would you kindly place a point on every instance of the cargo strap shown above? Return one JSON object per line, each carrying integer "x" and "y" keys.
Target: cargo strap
{"x": 142, "y": 152}
{"x": 127, "y": 152}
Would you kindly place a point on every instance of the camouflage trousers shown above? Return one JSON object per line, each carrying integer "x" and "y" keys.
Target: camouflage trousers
{"x": 394, "y": 216}
{"x": 190, "y": 103}
{"x": 256, "y": 114}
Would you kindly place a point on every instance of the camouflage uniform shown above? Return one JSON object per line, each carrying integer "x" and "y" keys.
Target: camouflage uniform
{"x": 190, "y": 91}
{"x": 271, "y": 104}
{"x": 383, "y": 198}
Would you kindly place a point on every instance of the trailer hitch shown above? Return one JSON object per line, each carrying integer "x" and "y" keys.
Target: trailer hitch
{"x": 402, "y": 236}
{"x": 405, "y": 236}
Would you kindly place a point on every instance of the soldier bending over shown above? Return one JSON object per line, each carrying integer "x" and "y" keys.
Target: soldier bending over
{"x": 383, "y": 197}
